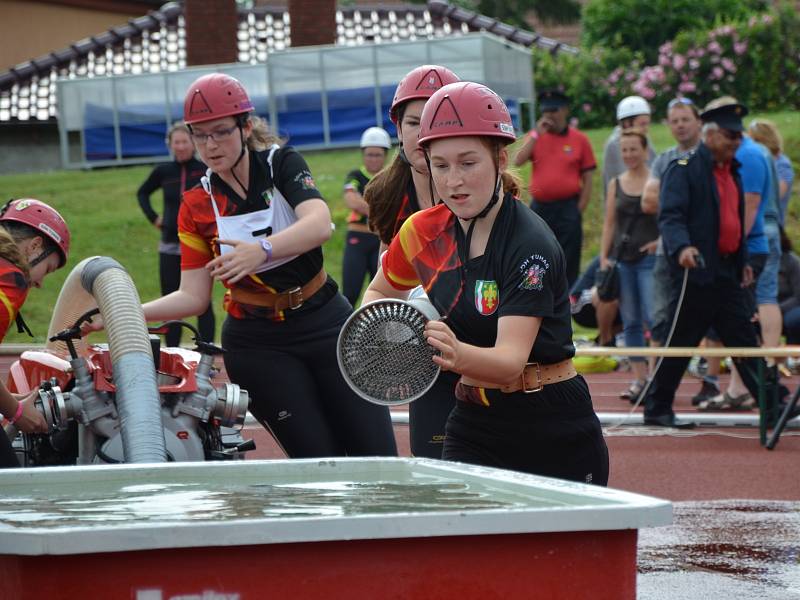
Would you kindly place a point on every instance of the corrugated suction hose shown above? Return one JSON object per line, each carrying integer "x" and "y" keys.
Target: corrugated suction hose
{"x": 138, "y": 400}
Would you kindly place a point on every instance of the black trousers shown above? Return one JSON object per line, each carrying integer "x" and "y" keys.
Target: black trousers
{"x": 427, "y": 417}
{"x": 360, "y": 257}
{"x": 170, "y": 274}
{"x": 296, "y": 389}
{"x": 566, "y": 221}
{"x": 554, "y": 432}
{"x": 723, "y": 304}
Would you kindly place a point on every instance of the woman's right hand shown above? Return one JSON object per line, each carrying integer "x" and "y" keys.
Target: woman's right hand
{"x": 96, "y": 324}
{"x": 604, "y": 263}
{"x": 31, "y": 420}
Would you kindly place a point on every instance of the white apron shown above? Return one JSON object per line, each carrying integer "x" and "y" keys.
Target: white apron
{"x": 253, "y": 226}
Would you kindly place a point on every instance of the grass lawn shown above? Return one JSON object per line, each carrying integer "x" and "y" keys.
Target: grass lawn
{"x": 105, "y": 218}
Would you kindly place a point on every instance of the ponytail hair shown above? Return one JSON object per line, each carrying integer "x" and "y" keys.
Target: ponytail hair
{"x": 11, "y": 233}
{"x": 260, "y": 137}
{"x": 512, "y": 183}
{"x": 384, "y": 195}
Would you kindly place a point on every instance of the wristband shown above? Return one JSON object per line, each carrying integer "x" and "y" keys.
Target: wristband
{"x": 266, "y": 246}
{"x": 17, "y": 415}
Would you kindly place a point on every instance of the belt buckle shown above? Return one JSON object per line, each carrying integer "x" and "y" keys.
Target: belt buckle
{"x": 540, "y": 386}
{"x": 295, "y": 292}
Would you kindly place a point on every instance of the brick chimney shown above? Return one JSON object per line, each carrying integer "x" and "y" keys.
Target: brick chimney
{"x": 211, "y": 27}
{"x": 313, "y": 22}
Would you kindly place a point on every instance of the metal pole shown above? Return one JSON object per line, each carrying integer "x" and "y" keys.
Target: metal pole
{"x": 377, "y": 82}
{"x": 273, "y": 105}
{"x": 324, "y": 97}
{"x": 117, "y": 137}
{"x": 762, "y": 405}
{"x": 63, "y": 138}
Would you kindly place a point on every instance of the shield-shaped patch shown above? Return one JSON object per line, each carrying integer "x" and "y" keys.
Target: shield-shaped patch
{"x": 487, "y": 296}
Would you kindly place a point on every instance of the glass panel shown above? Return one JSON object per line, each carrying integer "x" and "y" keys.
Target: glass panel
{"x": 142, "y": 111}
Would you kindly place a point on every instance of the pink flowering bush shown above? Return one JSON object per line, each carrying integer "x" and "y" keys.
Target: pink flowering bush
{"x": 757, "y": 60}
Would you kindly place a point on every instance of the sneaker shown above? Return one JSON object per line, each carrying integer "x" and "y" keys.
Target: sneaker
{"x": 726, "y": 402}
{"x": 707, "y": 391}
{"x": 698, "y": 367}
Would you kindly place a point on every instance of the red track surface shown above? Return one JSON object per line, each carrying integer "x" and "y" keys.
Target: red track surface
{"x": 705, "y": 464}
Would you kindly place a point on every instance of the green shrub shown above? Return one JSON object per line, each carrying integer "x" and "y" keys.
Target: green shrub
{"x": 757, "y": 60}
{"x": 583, "y": 78}
{"x": 644, "y": 25}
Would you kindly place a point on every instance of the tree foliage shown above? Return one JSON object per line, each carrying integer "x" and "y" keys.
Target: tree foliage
{"x": 644, "y": 25}
{"x": 514, "y": 12}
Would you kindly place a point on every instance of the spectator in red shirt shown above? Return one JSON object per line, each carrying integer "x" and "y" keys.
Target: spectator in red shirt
{"x": 702, "y": 226}
{"x": 561, "y": 180}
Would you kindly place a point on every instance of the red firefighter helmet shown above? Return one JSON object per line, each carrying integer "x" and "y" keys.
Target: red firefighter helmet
{"x": 465, "y": 108}
{"x": 420, "y": 84}
{"x": 214, "y": 96}
{"x": 43, "y": 218}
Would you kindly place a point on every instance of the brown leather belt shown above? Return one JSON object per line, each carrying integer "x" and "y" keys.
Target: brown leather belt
{"x": 533, "y": 378}
{"x": 292, "y": 298}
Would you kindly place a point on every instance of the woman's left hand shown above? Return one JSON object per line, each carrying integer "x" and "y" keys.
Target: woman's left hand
{"x": 442, "y": 338}
{"x": 237, "y": 263}
{"x": 649, "y": 247}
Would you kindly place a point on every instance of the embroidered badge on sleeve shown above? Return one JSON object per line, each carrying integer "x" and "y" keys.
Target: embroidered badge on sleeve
{"x": 305, "y": 179}
{"x": 486, "y": 297}
{"x": 533, "y": 270}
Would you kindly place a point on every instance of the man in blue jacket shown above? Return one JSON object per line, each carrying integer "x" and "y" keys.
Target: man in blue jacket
{"x": 702, "y": 226}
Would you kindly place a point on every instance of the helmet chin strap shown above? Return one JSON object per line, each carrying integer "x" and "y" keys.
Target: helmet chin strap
{"x": 468, "y": 240}
{"x": 238, "y": 160}
{"x": 45, "y": 253}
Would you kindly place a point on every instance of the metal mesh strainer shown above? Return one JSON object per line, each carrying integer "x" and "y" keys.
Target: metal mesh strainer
{"x": 383, "y": 354}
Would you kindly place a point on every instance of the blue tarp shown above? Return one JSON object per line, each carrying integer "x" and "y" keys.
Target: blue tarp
{"x": 143, "y": 127}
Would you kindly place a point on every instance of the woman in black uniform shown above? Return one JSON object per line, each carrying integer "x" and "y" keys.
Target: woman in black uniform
{"x": 361, "y": 246}
{"x": 174, "y": 178}
{"x": 257, "y": 223}
{"x": 496, "y": 273}
{"x": 393, "y": 195}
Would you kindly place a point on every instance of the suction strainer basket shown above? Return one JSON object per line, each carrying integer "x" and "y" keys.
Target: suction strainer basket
{"x": 383, "y": 354}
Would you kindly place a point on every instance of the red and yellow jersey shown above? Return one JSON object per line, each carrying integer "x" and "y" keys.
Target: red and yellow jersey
{"x": 197, "y": 231}
{"x": 423, "y": 249}
{"x": 521, "y": 273}
{"x": 13, "y": 292}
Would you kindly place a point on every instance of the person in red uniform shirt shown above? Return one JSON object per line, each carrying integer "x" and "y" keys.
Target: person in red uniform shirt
{"x": 561, "y": 179}
{"x": 34, "y": 242}
{"x": 395, "y": 194}
{"x": 496, "y": 274}
{"x": 257, "y": 223}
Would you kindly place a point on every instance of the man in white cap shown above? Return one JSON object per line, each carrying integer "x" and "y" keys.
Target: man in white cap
{"x": 632, "y": 112}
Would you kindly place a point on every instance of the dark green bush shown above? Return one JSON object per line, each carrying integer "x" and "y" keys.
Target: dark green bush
{"x": 644, "y": 25}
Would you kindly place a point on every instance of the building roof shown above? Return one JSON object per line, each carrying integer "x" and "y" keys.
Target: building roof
{"x": 157, "y": 42}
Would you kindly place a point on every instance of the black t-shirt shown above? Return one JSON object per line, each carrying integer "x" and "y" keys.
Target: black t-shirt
{"x": 173, "y": 178}
{"x": 521, "y": 273}
{"x": 198, "y": 226}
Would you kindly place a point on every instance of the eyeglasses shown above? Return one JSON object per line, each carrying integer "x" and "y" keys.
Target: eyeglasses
{"x": 675, "y": 101}
{"x": 220, "y": 135}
